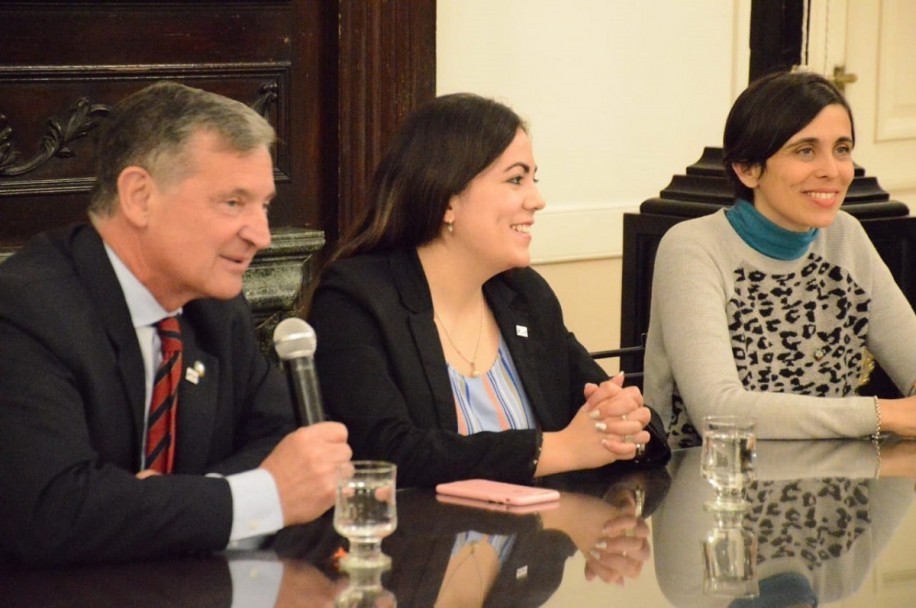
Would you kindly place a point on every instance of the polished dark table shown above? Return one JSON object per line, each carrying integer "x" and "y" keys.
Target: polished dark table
{"x": 823, "y": 526}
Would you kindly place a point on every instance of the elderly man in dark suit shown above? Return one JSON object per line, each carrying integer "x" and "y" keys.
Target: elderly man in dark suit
{"x": 115, "y": 445}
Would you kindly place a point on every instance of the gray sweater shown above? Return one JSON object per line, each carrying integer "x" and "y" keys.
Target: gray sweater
{"x": 734, "y": 331}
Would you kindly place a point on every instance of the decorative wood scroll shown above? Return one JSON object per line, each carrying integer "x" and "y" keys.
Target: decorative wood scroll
{"x": 82, "y": 118}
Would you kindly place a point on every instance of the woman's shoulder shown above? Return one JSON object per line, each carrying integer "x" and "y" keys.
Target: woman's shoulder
{"x": 709, "y": 236}
{"x": 375, "y": 268}
{"x": 378, "y": 280}
{"x": 699, "y": 229}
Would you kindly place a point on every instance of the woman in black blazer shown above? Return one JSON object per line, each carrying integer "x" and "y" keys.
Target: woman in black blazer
{"x": 439, "y": 348}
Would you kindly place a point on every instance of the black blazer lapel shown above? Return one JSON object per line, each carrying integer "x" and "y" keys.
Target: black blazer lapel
{"x": 514, "y": 325}
{"x": 101, "y": 283}
{"x": 197, "y": 404}
{"x": 413, "y": 288}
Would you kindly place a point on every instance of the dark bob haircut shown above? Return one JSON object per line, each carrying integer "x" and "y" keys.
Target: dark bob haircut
{"x": 768, "y": 113}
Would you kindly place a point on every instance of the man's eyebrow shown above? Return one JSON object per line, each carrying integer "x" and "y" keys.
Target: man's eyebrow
{"x": 242, "y": 193}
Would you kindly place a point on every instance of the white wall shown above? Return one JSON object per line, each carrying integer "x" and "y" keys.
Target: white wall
{"x": 620, "y": 96}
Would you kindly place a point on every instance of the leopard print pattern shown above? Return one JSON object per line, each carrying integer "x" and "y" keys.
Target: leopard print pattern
{"x": 802, "y": 332}
{"x": 813, "y": 519}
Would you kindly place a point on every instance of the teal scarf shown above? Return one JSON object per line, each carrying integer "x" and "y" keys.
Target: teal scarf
{"x": 765, "y": 236}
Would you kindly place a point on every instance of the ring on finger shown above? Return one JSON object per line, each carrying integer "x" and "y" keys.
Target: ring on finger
{"x": 628, "y": 439}
{"x": 623, "y": 417}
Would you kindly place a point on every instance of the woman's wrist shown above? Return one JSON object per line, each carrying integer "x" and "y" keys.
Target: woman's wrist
{"x": 553, "y": 456}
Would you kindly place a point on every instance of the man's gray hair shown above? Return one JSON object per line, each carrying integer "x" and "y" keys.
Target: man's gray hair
{"x": 151, "y": 129}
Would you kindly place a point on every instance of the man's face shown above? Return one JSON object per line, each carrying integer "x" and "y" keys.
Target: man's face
{"x": 203, "y": 231}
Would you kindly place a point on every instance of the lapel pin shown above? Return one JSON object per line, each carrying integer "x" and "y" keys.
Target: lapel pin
{"x": 195, "y": 373}
{"x": 521, "y": 330}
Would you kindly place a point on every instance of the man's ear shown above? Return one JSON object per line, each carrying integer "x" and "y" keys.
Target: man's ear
{"x": 135, "y": 190}
{"x": 749, "y": 174}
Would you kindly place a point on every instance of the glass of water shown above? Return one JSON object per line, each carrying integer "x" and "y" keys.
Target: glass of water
{"x": 365, "y": 511}
{"x": 728, "y": 459}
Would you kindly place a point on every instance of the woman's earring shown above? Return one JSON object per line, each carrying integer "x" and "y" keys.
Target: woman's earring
{"x": 450, "y": 226}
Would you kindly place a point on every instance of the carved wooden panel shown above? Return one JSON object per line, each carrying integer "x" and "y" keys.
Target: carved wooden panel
{"x": 62, "y": 65}
{"x": 333, "y": 76}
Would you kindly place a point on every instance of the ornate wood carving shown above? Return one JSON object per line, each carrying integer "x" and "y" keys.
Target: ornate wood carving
{"x": 82, "y": 117}
{"x": 334, "y": 76}
{"x": 267, "y": 96}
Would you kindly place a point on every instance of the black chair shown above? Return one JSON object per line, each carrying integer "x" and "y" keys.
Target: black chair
{"x": 631, "y": 358}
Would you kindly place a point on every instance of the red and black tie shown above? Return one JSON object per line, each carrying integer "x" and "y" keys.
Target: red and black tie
{"x": 160, "y": 424}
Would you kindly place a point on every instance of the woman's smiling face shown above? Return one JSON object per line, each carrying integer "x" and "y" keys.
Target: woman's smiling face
{"x": 493, "y": 216}
{"x": 804, "y": 183}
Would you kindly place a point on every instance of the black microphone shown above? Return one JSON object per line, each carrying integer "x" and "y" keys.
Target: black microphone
{"x": 295, "y": 343}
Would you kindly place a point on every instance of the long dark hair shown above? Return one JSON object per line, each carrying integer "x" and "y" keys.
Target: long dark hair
{"x": 433, "y": 156}
{"x": 769, "y": 112}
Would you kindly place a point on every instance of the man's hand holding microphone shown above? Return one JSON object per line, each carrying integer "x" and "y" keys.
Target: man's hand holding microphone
{"x": 304, "y": 464}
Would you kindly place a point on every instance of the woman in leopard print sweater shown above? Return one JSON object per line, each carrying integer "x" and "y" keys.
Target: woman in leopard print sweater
{"x": 766, "y": 308}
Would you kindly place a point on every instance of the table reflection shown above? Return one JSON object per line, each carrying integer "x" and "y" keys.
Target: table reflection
{"x": 222, "y": 580}
{"x": 817, "y": 521}
{"x": 818, "y": 517}
{"x": 473, "y": 554}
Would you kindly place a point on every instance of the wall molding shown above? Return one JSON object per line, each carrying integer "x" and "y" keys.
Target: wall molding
{"x": 896, "y": 115}
{"x": 579, "y": 231}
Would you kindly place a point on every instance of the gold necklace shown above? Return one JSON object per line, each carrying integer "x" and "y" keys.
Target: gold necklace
{"x": 474, "y": 372}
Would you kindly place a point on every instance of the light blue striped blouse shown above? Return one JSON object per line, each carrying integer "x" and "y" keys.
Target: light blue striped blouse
{"x": 494, "y": 401}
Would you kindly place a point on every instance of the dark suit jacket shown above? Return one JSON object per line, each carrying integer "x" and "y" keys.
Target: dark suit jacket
{"x": 383, "y": 372}
{"x": 72, "y": 409}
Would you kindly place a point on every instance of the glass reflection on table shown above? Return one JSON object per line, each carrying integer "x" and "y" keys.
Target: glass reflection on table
{"x": 817, "y": 515}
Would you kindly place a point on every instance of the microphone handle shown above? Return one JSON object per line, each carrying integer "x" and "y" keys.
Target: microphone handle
{"x": 303, "y": 384}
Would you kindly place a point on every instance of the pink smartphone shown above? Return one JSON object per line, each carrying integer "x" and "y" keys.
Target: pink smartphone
{"x": 495, "y": 506}
{"x": 497, "y": 491}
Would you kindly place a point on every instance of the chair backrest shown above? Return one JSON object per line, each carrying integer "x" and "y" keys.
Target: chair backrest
{"x": 631, "y": 358}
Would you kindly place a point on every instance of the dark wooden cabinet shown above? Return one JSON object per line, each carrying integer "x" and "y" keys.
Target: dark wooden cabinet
{"x": 334, "y": 77}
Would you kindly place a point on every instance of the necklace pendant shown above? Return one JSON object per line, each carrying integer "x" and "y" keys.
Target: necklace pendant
{"x": 474, "y": 372}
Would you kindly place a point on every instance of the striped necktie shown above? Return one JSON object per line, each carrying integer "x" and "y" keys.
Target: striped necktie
{"x": 160, "y": 424}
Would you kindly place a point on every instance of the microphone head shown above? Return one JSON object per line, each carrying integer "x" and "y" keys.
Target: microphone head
{"x": 294, "y": 338}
